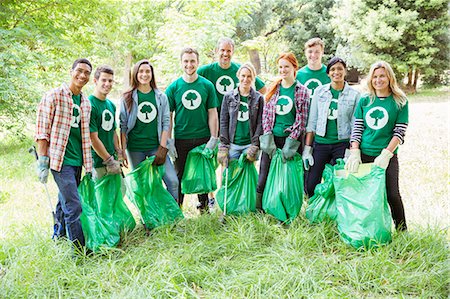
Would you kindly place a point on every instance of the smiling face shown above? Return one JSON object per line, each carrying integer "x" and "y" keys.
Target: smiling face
{"x": 189, "y": 63}
{"x": 380, "y": 81}
{"x": 104, "y": 83}
{"x": 337, "y": 73}
{"x": 144, "y": 74}
{"x": 286, "y": 69}
{"x": 314, "y": 55}
{"x": 80, "y": 76}
{"x": 245, "y": 78}
{"x": 225, "y": 53}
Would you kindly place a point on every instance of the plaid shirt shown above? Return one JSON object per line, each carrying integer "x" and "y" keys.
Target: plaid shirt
{"x": 301, "y": 115}
{"x": 53, "y": 124}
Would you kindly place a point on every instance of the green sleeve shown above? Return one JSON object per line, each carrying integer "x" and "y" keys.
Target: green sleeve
{"x": 212, "y": 102}
{"x": 403, "y": 115}
{"x": 170, "y": 97}
{"x": 94, "y": 122}
{"x": 114, "y": 115}
{"x": 259, "y": 83}
{"x": 359, "y": 110}
{"x": 201, "y": 70}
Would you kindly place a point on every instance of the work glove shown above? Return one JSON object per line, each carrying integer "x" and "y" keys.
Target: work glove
{"x": 289, "y": 149}
{"x": 353, "y": 160}
{"x": 308, "y": 159}
{"x": 172, "y": 150}
{"x": 383, "y": 159}
{"x": 222, "y": 156}
{"x": 160, "y": 156}
{"x": 252, "y": 153}
{"x": 112, "y": 165}
{"x": 267, "y": 144}
{"x": 43, "y": 165}
{"x": 210, "y": 146}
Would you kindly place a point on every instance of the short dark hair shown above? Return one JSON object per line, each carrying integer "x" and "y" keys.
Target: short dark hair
{"x": 103, "y": 69}
{"x": 335, "y": 60}
{"x": 189, "y": 51}
{"x": 81, "y": 60}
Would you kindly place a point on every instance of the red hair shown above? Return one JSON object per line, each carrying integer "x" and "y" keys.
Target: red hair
{"x": 289, "y": 56}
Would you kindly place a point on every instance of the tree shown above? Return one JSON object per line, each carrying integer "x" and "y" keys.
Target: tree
{"x": 191, "y": 97}
{"x": 107, "y": 117}
{"x": 243, "y": 109}
{"x": 147, "y": 109}
{"x": 333, "y": 107}
{"x": 377, "y": 114}
{"x": 225, "y": 82}
{"x": 282, "y": 102}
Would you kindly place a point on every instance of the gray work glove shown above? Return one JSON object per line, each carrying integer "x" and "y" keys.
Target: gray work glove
{"x": 172, "y": 150}
{"x": 210, "y": 147}
{"x": 267, "y": 144}
{"x": 252, "y": 153}
{"x": 354, "y": 160}
{"x": 112, "y": 165}
{"x": 383, "y": 159}
{"x": 289, "y": 149}
{"x": 307, "y": 157}
{"x": 222, "y": 155}
{"x": 42, "y": 169}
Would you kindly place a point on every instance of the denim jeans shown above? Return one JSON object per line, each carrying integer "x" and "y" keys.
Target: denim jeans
{"x": 236, "y": 150}
{"x": 68, "y": 209}
{"x": 170, "y": 176}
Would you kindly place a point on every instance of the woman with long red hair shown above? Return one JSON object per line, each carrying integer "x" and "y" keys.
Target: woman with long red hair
{"x": 284, "y": 117}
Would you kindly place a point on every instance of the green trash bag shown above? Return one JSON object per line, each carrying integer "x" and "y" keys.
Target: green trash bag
{"x": 146, "y": 191}
{"x": 363, "y": 217}
{"x": 283, "y": 194}
{"x": 97, "y": 232}
{"x": 241, "y": 187}
{"x": 322, "y": 205}
{"x": 199, "y": 175}
{"x": 112, "y": 208}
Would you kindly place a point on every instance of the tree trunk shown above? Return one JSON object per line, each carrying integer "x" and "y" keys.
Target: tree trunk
{"x": 416, "y": 77}
{"x": 254, "y": 59}
{"x": 410, "y": 76}
{"x": 127, "y": 70}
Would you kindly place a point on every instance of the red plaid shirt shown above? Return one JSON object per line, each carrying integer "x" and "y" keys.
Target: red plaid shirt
{"x": 53, "y": 124}
{"x": 301, "y": 115}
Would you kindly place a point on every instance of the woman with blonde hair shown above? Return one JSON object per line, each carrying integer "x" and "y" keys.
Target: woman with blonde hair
{"x": 144, "y": 123}
{"x": 381, "y": 120}
{"x": 284, "y": 117}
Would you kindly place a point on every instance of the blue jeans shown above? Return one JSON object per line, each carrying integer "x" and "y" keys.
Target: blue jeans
{"x": 170, "y": 177}
{"x": 68, "y": 209}
{"x": 236, "y": 150}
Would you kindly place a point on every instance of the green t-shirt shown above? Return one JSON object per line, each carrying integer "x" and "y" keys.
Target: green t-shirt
{"x": 190, "y": 102}
{"x": 331, "y": 134}
{"x": 242, "y": 134}
{"x": 74, "y": 152}
{"x": 224, "y": 80}
{"x": 380, "y": 118}
{"x": 103, "y": 122}
{"x": 313, "y": 79}
{"x": 144, "y": 135}
{"x": 284, "y": 111}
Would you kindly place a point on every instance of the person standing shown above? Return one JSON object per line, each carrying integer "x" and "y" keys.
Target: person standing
{"x": 381, "y": 120}
{"x": 105, "y": 142}
{"x": 64, "y": 147}
{"x": 145, "y": 124}
{"x": 193, "y": 100}
{"x": 314, "y": 73}
{"x": 284, "y": 117}
{"x": 329, "y": 123}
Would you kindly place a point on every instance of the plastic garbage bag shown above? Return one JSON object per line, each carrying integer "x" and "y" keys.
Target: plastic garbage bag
{"x": 363, "y": 216}
{"x": 146, "y": 191}
{"x": 283, "y": 194}
{"x": 97, "y": 233}
{"x": 199, "y": 175}
{"x": 241, "y": 187}
{"x": 322, "y": 204}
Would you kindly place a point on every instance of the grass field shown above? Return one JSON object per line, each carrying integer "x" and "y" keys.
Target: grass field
{"x": 248, "y": 257}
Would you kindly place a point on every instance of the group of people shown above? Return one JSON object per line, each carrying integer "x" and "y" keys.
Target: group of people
{"x": 311, "y": 111}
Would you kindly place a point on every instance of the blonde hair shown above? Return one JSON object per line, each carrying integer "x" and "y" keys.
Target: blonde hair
{"x": 314, "y": 42}
{"x": 249, "y": 67}
{"x": 289, "y": 56}
{"x": 397, "y": 93}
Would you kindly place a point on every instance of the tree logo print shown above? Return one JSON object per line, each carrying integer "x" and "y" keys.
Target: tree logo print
{"x": 377, "y": 118}
{"x": 284, "y": 105}
{"x": 312, "y": 84}
{"x": 191, "y": 99}
{"x": 146, "y": 112}
{"x": 107, "y": 120}
{"x": 243, "y": 112}
{"x": 76, "y": 116}
{"x": 333, "y": 110}
{"x": 224, "y": 84}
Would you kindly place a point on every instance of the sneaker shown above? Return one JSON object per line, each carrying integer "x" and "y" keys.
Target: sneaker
{"x": 201, "y": 207}
{"x": 211, "y": 205}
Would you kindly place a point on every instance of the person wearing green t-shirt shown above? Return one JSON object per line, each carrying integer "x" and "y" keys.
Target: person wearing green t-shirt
{"x": 222, "y": 73}
{"x": 145, "y": 124}
{"x": 314, "y": 73}
{"x": 193, "y": 106}
{"x": 105, "y": 142}
{"x": 381, "y": 120}
{"x": 240, "y": 121}
{"x": 329, "y": 123}
{"x": 64, "y": 147}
